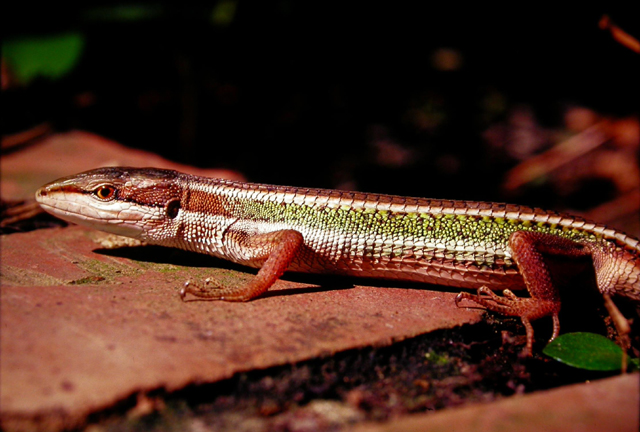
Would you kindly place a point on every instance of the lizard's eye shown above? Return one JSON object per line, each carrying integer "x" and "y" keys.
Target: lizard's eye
{"x": 105, "y": 192}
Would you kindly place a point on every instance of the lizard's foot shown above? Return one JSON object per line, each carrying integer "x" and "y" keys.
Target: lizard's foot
{"x": 527, "y": 309}
{"x": 212, "y": 291}
{"x": 206, "y": 291}
{"x": 277, "y": 249}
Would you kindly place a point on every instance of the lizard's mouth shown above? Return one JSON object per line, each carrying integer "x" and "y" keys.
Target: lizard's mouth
{"x": 82, "y": 210}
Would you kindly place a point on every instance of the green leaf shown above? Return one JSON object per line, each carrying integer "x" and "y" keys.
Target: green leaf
{"x": 51, "y": 56}
{"x": 586, "y": 351}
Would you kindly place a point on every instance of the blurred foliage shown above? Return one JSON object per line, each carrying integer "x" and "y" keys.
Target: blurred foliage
{"x": 408, "y": 98}
{"x": 125, "y": 13}
{"x": 224, "y": 12}
{"x": 50, "y": 57}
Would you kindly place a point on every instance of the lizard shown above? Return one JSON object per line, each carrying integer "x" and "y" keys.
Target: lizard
{"x": 482, "y": 246}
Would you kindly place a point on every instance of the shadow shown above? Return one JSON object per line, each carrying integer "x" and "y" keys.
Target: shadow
{"x": 165, "y": 255}
{"x": 286, "y": 292}
{"x": 318, "y": 282}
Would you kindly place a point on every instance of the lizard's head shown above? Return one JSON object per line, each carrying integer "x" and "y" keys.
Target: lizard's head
{"x": 125, "y": 201}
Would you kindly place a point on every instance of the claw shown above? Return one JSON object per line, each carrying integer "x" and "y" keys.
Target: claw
{"x": 183, "y": 291}
{"x": 203, "y": 290}
{"x": 459, "y": 298}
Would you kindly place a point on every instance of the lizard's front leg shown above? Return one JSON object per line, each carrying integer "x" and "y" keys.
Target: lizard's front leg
{"x": 277, "y": 248}
{"x": 528, "y": 249}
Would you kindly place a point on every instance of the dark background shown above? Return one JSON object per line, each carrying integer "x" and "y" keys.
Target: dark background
{"x": 329, "y": 94}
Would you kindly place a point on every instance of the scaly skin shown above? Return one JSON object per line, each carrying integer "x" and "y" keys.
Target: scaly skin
{"x": 477, "y": 245}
